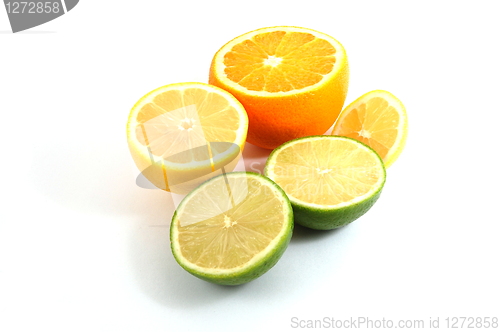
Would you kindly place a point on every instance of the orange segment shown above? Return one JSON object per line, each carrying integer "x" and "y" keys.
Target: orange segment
{"x": 269, "y": 41}
{"x": 377, "y": 119}
{"x": 292, "y": 81}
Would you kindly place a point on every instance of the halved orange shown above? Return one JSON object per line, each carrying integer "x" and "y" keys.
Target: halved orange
{"x": 377, "y": 119}
{"x": 182, "y": 134}
{"x": 292, "y": 81}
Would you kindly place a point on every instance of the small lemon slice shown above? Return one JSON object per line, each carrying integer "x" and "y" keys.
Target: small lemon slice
{"x": 377, "y": 119}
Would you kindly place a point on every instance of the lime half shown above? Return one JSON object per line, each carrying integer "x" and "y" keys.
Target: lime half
{"x": 330, "y": 180}
{"x": 232, "y": 229}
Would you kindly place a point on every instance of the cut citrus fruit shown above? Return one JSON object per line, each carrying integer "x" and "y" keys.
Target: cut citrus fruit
{"x": 232, "y": 229}
{"x": 292, "y": 81}
{"x": 377, "y": 119}
{"x": 330, "y": 180}
{"x": 182, "y": 134}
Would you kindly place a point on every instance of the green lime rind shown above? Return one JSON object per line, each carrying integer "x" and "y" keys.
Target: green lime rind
{"x": 324, "y": 217}
{"x": 250, "y": 271}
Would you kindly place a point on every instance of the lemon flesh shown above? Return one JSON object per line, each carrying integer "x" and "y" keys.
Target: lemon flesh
{"x": 378, "y": 119}
{"x": 182, "y": 134}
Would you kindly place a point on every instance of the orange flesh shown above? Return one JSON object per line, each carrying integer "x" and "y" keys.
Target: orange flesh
{"x": 279, "y": 61}
{"x": 374, "y": 123}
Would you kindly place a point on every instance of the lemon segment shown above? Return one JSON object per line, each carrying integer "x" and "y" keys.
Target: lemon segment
{"x": 377, "y": 119}
{"x": 182, "y": 134}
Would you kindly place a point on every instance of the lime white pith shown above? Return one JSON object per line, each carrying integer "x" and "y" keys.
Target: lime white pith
{"x": 232, "y": 228}
{"x": 339, "y": 59}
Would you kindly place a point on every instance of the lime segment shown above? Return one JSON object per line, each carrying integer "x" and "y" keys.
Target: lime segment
{"x": 330, "y": 180}
{"x": 232, "y": 229}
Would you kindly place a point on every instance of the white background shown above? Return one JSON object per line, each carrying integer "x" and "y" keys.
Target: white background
{"x": 82, "y": 248}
